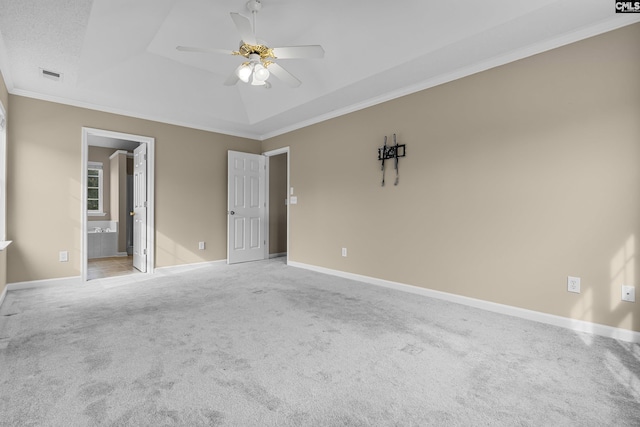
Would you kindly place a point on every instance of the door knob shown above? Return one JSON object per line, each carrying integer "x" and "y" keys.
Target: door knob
{"x": 132, "y": 213}
{"x": 232, "y": 213}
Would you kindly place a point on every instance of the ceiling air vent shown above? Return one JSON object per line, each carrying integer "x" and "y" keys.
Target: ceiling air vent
{"x": 51, "y": 75}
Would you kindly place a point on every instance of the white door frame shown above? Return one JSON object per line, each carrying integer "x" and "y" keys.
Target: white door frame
{"x": 283, "y": 150}
{"x": 86, "y": 132}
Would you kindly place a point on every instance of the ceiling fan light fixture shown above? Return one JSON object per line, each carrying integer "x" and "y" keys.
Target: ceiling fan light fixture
{"x": 256, "y": 82}
{"x": 260, "y": 73}
{"x": 244, "y": 72}
{"x": 257, "y": 55}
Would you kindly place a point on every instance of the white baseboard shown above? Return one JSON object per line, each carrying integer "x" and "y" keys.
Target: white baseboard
{"x": 277, "y": 255}
{"x": 550, "y": 319}
{"x": 186, "y": 267}
{"x": 78, "y": 280}
{"x": 44, "y": 283}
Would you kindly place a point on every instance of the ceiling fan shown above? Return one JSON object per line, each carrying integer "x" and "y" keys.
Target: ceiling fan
{"x": 261, "y": 58}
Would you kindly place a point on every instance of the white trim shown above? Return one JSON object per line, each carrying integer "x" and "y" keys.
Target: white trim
{"x": 267, "y": 206}
{"x": 4, "y": 137}
{"x": 536, "y": 316}
{"x": 524, "y": 52}
{"x": 150, "y": 141}
{"x": 188, "y": 267}
{"x": 617, "y": 21}
{"x": 97, "y": 166}
{"x": 3, "y": 295}
{"x": 284, "y": 150}
{"x": 127, "y": 113}
{"x": 74, "y": 280}
{"x": 276, "y": 152}
{"x": 77, "y": 280}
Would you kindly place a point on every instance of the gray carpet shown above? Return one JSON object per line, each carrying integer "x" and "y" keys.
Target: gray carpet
{"x": 264, "y": 344}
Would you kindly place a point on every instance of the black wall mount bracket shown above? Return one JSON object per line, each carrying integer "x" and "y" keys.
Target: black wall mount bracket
{"x": 387, "y": 152}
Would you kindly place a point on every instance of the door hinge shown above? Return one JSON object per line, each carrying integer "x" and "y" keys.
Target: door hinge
{"x": 145, "y": 204}
{"x": 144, "y": 252}
{"x": 144, "y": 157}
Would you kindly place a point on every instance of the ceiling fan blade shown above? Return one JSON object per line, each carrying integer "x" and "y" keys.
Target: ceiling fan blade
{"x": 233, "y": 78}
{"x": 283, "y": 75}
{"x": 290, "y": 52}
{"x": 243, "y": 25}
{"x": 203, "y": 50}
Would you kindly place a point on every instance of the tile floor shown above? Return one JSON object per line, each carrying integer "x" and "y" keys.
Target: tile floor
{"x": 100, "y": 268}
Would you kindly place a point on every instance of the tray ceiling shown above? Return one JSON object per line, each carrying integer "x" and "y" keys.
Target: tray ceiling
{"x": 119, "y": 56}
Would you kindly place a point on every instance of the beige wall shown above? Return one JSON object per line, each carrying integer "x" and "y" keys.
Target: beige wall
{"x": 190, "y": 191}
{"x": 514, "y": 179}
{"x": 277, "y": 207}
{"x": 4, "y": 99}
{"x": 101, "y": 155}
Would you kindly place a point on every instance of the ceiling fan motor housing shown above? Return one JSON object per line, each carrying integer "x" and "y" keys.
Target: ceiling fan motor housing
{"x": 263, "y": 51}
{"x": 254, "y": 5}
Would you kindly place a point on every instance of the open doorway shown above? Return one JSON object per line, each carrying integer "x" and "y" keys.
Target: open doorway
{"x": 117, "y": 200}
{"x": 257, "y": 230}
{"x": 278, "y": 190}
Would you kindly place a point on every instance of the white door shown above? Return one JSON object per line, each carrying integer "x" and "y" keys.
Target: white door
{"x": 246, "y": 207}
{"x": 140, "y": 208}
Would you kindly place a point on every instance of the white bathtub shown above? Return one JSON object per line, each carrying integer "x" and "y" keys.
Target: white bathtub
{"x": 102, "y": 239}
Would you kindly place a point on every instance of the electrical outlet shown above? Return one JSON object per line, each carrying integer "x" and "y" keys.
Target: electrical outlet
{"x": 63, "y": 256}
{"x": 628, "y": 293}
{"x": 344, "y": 252}
{"x": 201, "y": 245}
{"x": 573, "y": 284}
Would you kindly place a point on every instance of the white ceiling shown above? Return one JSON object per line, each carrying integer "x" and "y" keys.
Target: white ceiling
{"x": 119, "y": 55}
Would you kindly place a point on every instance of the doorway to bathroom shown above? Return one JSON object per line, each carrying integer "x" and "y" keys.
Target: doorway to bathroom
{"x": 117, "y": 202}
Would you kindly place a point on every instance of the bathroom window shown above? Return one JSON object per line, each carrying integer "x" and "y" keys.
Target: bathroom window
{"x": 94, "y": 188}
